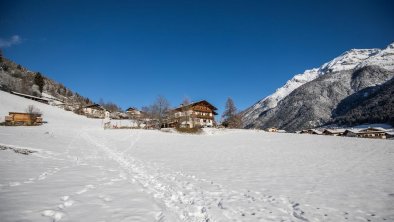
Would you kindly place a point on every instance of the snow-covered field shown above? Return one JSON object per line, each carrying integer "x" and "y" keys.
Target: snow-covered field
{"x": 82, "y": 172}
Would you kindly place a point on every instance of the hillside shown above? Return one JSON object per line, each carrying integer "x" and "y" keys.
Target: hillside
{"x": 15, "y": 77}
{"x": 372, "y": 104}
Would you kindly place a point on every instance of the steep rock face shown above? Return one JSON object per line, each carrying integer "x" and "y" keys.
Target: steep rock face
{"x": 354, "y": 59}
{"x": 312, "y": 104}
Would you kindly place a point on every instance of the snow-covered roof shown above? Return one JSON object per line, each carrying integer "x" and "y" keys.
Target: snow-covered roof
{"x": 311, "y": 131}
{"x": 333, "y": 131}
{"x": 374, "y": 129}
{"x": 199, "y": 102}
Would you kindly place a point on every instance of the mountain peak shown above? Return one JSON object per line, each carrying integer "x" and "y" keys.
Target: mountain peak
{"x": 349, "y": 60}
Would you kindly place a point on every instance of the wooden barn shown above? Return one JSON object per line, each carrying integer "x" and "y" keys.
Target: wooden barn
{"x": 26, "y": 119}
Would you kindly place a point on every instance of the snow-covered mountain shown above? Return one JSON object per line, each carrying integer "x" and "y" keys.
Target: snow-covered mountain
{"x": 384, "y": 58}
{"x": 350, "y": 60}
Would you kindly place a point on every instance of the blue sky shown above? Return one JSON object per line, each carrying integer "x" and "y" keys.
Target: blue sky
{"x": 128, "y": 52}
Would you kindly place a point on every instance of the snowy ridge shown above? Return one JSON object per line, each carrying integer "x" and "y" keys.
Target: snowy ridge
{"x": 384, "y": 59}
{"x": 352, "y": 59}
{"x": 348, "y": 60}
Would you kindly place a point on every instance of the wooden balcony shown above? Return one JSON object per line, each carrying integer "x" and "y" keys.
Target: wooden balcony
{"x": 202, "y": 116}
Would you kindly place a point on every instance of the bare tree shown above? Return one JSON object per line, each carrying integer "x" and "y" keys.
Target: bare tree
{"x": 34, "y": 112}
{"x": 159, "y": 109}
{"x": 31, "y": 109}
{"x": 231, "y": 117}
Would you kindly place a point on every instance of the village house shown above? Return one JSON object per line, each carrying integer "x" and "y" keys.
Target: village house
{"x": 350, "y": 133}
{"x": 333, "y": 132}
{"x": 134, "y": 113}
{"x": 389, "y": 134}
{"x": 95, "y": 111}
{"x": 197, "y": 114}
{"x": 372, "y": 132}
{"x": 311, "y": 131}
{"x": 272, "y": 129}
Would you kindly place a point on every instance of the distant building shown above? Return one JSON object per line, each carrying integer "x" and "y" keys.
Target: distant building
{"x": 95, "y": 111}
{"x": 134, "y": 113}
{"x": 311, "y": 131}
{"x": 333, "y": 132}
{"x": 350, "y": 133}
{"x": 272, "y": 129}
{"x": 197, "y": 114}
{"x": 372, "y": 132}
{"x": 389, "y": 135}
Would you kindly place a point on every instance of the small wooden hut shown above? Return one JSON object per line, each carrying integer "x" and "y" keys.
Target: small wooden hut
{"x": 27, "y": 119}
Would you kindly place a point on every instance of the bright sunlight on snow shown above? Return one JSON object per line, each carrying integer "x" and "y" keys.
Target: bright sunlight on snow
{"x": 78, "y": 171}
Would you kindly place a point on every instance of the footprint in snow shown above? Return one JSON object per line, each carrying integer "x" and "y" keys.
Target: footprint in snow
{"x": 67, "y": 203}
{"x": 43, "y": 176}
{"x": 55, "y": 215}
{"x": 87, "y": 187}
{"x": 105, "y": 198}
{"x": 30, "y": 180}
{"x": 14, "y": 184}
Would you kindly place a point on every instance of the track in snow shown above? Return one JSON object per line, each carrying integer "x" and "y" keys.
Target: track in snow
{"x": 194, "y": 199}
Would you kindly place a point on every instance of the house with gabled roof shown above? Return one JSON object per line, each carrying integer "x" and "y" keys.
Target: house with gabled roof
{"x": 372, "y": 132}
{"x": 95, "y": 111}
{"x": 333, "y": 132}
{"x": 311, "y": 131}
{"x": 133, "y": 112}
{"x": 196, "y": 114}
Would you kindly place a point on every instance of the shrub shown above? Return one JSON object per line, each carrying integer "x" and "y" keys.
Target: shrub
{"x": 194, "y": 130}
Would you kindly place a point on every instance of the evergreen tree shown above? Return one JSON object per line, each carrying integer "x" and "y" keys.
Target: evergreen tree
{"x": 39, "y": 81}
